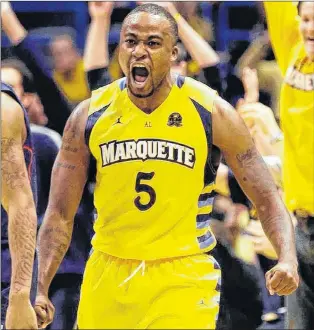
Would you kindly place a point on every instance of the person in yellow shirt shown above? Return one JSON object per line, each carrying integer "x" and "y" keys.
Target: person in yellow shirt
{"x": 292, "y": 38}
{"x": 69, "y": 71}
{"x": 153, "y": 136}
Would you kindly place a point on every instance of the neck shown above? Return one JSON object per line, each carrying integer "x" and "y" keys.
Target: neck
{"x": 150, "y": 103}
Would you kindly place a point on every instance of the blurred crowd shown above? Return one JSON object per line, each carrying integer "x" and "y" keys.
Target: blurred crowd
{"x": 51, "y": 80}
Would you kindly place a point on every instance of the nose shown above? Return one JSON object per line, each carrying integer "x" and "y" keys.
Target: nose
{"x": 139, "y": 50}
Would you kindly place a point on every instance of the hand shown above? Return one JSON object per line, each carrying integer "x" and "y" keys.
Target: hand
{"x": 250, "y": 84}
{"x": 260, "y": 241}
{"x": 100, "y": 9}
{"x": 282, "y": 279}
{"x": 44, "y": 310}
{"x": 262, "y": 141}
{"x": 236, "y": 219}
{"x": 260, "y": 115}
{"x": 5, "y": 7}
{"x": 20, "y": 315}
{"x": 167, "y": 5}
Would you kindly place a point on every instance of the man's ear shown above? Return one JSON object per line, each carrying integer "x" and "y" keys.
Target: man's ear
{"x": 174, "y": 55}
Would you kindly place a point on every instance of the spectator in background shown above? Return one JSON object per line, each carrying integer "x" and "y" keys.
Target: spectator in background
{"x": 16, "y": 74}
{"x": 96, "y": 52}
{"x": 190, "y": 11}
{"x": 269, "y": 76}
{"x": 259, "y": 118}
{"x": 292, "y": 38}
{"x": 69, "y": 69}
{"x": 56, "y": 107}
{"x": 204, "y": 56}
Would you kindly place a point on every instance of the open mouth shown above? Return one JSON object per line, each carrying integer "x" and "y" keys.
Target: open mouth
{"x": 140, "y": 74}
{"x": 310, "y": 39}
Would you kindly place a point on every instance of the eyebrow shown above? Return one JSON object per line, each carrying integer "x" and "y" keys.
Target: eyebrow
{"x": 154, "y": 36}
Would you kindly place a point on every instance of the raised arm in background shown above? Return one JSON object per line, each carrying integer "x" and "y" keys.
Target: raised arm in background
{"x": 232, "y": 137}
{"x": 196, "y": 46}
{"x": 96, "y": 54}
{"x": 283, "y": 29}
{"x": 55, "y": 105}
{"x": 68, "y": 179}
{"x": 259, "y": 118}
{"x": 18, "y": 201}
{"x": 255, "y": 53}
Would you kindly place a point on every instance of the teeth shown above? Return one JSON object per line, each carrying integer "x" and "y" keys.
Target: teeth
{"x": 138, "y": 66}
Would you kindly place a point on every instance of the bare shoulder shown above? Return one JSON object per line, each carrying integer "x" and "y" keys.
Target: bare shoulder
{"x": 229, "y": 130}
{"x": 223, "y": 109}
{"x": 10, "y": 109}
{"x": 199, "y": 92}
{"x": 12, "y": 118}
{"x": 77, "y": 120}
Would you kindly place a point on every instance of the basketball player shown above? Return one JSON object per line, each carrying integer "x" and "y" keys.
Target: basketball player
{"x": 153, "y": 192}
{"x": 292, "y": 38}
{"x": 18, "y": 214}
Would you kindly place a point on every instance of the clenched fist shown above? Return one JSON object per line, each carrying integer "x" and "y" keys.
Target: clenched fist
{"x": 282, "y": 279}
{"x": 44, "y": 310}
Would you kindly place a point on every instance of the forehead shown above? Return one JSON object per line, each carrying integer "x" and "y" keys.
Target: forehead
{"x": 144, "y": 24}
{"x": 62, "y": 43}
{"x": 307, "y": 8}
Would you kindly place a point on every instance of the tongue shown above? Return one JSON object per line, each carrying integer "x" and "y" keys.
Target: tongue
{"x": 139, "y": 78}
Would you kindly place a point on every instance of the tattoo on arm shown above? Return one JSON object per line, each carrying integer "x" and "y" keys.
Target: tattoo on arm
{"x": 12, "y": 172}
{"x": 70, "y": 134}
{"x": 65, "y": 165}
{"x": 274, "y": 217}
{"x": 53, "y": 243}
{"x": 68, "y": 179}
{"x": 56, "y": 240}
{"x": 255, "y": 170}
{"x": 22, "y": 238}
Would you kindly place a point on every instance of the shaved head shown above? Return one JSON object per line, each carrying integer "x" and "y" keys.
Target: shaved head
{"x": 156, "y": 10}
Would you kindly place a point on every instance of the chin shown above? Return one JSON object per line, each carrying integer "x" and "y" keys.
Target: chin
{"x": 141, "y": 92}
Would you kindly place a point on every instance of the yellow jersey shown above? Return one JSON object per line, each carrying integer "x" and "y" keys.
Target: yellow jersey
{"x": 296, "y": 104}
{"x": 76, "y": 89}
{"x": 155, "y": 174}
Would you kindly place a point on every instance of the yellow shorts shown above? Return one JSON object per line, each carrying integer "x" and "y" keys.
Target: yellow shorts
{"x": 181, "y": 293}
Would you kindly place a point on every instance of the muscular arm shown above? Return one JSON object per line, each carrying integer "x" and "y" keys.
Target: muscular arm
{"x": 17, "y": 197}
{"x": 69, "y": 176}
{"x": 232, "y": 137}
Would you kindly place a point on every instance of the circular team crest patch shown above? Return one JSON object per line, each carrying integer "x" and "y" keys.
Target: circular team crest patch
{"x": 175, "y": 119}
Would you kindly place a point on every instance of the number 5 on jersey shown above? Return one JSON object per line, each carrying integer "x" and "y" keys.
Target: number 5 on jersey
{"x": 142, "y": 187}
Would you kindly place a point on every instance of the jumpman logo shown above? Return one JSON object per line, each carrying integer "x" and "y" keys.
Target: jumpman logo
{"x": 202, "y": 302}
{"x": 118, "y": 121}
